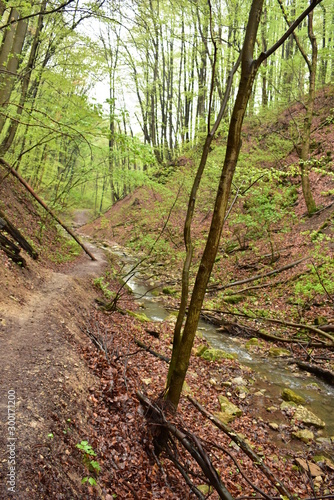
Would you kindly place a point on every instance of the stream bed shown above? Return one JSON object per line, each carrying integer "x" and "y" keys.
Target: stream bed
{"x": 270, "y": 374}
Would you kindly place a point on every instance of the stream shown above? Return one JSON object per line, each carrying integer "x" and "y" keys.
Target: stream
{"x": 271, "y": 374}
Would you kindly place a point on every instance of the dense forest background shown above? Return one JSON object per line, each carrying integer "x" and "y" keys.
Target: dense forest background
{"x": 191, "y": 145}
{"x": 98, "y": 98}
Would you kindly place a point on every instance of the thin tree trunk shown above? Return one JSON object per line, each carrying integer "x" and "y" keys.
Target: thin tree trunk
{"x": 178, "y": 371}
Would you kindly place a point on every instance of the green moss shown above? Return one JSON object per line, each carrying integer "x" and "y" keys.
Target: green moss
{"x": 140, "y": 316}
{"x": 212, "y": 354}
{"x": 252, "y": 342}
{"x": 233, "y": 299}
{"x": 168, "y": 291}
{"x": 290, "y": 395}
{"x": 277, "y": 352}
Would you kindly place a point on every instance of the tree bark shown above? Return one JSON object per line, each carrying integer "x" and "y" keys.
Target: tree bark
{"x": 248, "y": 72}
{"x": 10, "y": 56}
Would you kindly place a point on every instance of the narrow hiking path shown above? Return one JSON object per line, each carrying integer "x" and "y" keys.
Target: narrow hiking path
{"x": 41, "y": 363}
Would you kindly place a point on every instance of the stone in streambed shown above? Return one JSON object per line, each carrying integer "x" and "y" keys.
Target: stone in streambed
{"x": 212, "y": 354}
{"x": 307, "y": 417}
{"x": 229, "y": 411}
{"x": 304, "y": 435}
{"x": 290, "y": 395}
{"x": 252, "y": 342}
{"x": 288, "y": 405}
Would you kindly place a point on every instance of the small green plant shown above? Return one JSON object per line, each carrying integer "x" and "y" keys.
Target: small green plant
{"x": 103, "y": 286}
{"x": 91, "y": 464}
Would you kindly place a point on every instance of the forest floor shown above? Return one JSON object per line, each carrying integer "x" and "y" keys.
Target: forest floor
{"x": 68, "y": 391}
{"x": 76, "y": 368}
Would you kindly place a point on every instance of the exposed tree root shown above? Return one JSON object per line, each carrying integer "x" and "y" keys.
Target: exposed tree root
{"x": 165, "y": 438}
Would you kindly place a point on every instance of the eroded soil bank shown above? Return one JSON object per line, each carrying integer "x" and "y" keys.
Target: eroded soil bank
{"x": 40, "y": 333}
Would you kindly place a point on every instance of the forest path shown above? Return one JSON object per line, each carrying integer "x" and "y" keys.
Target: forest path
{"x": 41, "y": 363}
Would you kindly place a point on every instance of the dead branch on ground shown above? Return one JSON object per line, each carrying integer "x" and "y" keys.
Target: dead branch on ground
{"x": 215, "y": 288}
{"x": 258, "y": 461}
{"x": 189, "y": 441}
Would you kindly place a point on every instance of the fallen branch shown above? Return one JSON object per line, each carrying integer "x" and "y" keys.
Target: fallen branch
{"x": 276, "y": 283}
{"x": 327, "y": 375}
{"x": 6, "y": 225}
{"x": 151, "y": 351}
{"x": 276, "y": 321}
{"x": 41, "y": 202}
{"x": 190, "y": 442}
{"x": 258, "y": 461}
{"x": 258, "y": 276}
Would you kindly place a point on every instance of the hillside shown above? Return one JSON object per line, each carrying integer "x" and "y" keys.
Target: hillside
{"x": 76, "y": 367}
{"x": 267, "y": 229}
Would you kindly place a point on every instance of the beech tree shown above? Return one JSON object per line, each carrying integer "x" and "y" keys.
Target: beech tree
{"x": 249, "y": 68}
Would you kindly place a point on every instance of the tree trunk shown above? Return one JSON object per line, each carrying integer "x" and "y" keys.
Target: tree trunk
{"x": 11, "y": 132}
{"x": 248, "y": 72}
{"x": 9, "y": 60}
{"x": 305, "y": 150}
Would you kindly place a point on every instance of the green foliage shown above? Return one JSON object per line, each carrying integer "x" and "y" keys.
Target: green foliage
{"x": 86, "y": 448}
{"x": 265, "y": 207}
{"x": 91, "y": 464}
{"x": 103, "y": 286}
{"x": 68, "y": 251}
{"x": 318, "y": 282}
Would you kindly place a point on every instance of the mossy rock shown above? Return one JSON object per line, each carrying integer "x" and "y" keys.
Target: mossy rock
{"x": 304, "y": 435}
{"x": 228, "y": 410}
{"x": 277, "y": 352}
{"x": 288, "y": 405}
{"x": 206, "y": 489}
{"x": 140, "y": 316}
{"x": 200, "y": 349}
{"x": 233, "y": 299}
{"x": 307, "y": 417}
{"x": 290, "y": 395}
{"x": 212, "y": 354}
{"x": 168, "y": 291}
{"x": 252, "y": 342}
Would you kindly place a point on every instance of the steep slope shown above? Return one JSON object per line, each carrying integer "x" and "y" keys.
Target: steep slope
{"x": 267, "y": 229}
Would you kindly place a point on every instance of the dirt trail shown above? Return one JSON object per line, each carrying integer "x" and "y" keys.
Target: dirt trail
{"x": 40, "y": 363}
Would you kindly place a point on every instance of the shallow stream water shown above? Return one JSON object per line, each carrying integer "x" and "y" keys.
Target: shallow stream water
{"x": 271, "y": 374}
